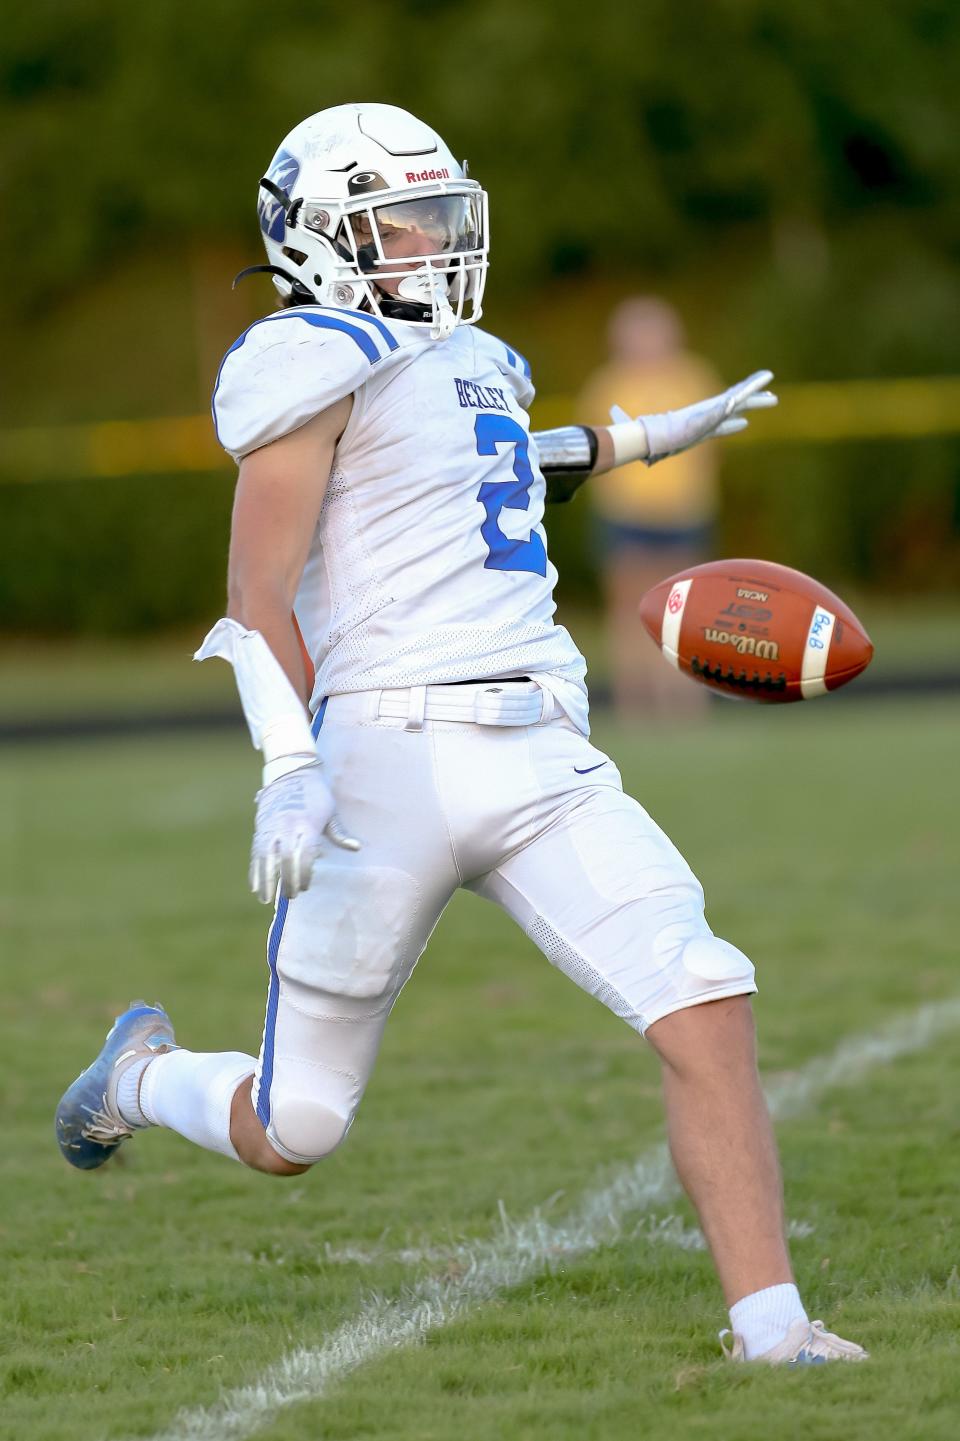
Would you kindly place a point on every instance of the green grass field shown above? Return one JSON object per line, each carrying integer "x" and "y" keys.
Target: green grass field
{"x": 827, "y": 840}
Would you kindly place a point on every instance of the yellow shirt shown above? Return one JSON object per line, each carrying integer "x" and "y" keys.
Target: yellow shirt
{"x": 674, "y": 493}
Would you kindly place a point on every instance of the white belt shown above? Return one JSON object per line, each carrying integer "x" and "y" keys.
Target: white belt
{"x": 490, "y": 703}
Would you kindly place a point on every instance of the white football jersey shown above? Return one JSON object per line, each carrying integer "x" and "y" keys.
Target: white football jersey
{"x": 429, "y": 562}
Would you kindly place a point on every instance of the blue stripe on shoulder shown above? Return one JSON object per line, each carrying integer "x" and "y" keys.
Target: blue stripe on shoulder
{"x": 328, "y": 320}
{"x": 374, "y": 320}
{"x": 518, "y": 361}
{"x": 349, "y": 315}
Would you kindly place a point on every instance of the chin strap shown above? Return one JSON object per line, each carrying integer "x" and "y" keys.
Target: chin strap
{"x": 298, "y": 291}
{"x": 390, "y": 307}
{"x": 395, "y": 309}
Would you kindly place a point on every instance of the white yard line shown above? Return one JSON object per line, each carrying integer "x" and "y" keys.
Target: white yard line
{"x": 663, "y": 1230}
{"x": 527, "y": 1248}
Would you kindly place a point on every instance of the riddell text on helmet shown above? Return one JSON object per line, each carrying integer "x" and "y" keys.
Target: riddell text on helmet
{"x": 413, "y": 175}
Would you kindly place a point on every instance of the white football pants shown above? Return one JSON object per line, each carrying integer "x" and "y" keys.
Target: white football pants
{"x": 530, "y": 816}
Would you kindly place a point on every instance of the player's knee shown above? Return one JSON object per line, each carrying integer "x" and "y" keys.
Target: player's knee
{"x": 303, "y": 1129}
{"x": 716, "y": 964}
{"x": 713, "y": 982}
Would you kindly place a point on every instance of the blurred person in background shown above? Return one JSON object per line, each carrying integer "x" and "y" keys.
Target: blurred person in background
{"x": 651, "y": 520}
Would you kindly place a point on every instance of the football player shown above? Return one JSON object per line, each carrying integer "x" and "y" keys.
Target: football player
{"x": 389, "y": 511}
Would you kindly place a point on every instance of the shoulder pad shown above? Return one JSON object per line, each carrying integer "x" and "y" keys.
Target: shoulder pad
{"x": 288, "y": 367}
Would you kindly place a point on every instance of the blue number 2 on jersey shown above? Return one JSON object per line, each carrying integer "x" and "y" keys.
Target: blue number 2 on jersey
{"x": 504, "y": 554}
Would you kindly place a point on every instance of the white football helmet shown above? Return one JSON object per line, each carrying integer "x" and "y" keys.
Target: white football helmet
{"x": 364, "y": 207}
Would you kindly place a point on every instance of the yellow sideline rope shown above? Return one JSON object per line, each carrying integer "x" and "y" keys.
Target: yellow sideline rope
{"x": 809, "y": 411}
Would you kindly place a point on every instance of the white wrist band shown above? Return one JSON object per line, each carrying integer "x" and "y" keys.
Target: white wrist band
{"x": 283, "y": 735}
{"x": 629, "y": 441}
{"x": 286, "y": 765}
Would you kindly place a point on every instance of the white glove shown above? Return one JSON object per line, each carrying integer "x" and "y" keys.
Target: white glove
{"x": 295, "y": 809}
{"x": 294, "y": 814}
{"x": 653, "y": 437}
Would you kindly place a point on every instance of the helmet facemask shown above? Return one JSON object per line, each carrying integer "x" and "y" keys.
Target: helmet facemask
{"x": 419, "y": 257}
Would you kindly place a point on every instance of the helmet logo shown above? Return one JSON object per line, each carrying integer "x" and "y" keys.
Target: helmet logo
{"x": 364, "y": 181}
{"x": 413, "y": 175}
{"x": 283, "y": 173}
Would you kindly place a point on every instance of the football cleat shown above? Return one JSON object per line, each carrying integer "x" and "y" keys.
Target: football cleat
{"x": 807, "y": 1343}
{"x": 89, "y": 1124}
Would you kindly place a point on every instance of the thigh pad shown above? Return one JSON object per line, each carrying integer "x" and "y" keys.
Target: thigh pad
{"x": 353, "y": 932}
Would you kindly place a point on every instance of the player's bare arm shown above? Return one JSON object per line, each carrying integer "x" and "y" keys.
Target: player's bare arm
{"x": 279, "y": 496}
{"x": 280, "y": 493}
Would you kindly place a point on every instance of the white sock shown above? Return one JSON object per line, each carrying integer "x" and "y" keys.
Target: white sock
{"x": 191, "y": 1092}
{"x": 128, "y": 1094}
{"x": 764, "y": 1318}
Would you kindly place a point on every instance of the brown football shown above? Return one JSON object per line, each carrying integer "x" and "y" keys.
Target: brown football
{"x": 758, "y": 630}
